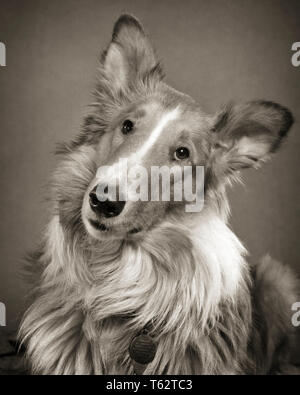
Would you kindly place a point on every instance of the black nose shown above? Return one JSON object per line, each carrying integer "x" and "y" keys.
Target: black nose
{"x": 108, "y": 208}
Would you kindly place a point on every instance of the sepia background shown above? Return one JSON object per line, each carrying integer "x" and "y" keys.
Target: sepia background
{"x": 216, "y": 51}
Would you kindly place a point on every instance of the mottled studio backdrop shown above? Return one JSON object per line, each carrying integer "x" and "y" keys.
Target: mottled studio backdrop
{"x": 215, "y": 50}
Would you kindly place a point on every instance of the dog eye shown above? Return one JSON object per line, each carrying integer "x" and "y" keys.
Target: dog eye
{"x": 181, "y": 153}
{"x": 127, "y": 126}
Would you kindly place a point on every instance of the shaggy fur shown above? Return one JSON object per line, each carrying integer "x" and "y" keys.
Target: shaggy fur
{"x": 210, "y": 313}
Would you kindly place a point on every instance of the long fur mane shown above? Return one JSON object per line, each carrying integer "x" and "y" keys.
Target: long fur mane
{"x": 197, "y": 301}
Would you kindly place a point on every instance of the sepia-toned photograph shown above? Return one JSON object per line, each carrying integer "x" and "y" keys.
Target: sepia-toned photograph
{"x": 149, "y": 158}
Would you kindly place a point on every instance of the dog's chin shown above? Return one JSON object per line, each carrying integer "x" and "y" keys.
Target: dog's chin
{"x": 102, "y": 231}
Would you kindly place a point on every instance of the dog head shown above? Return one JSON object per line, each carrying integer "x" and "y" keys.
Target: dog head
{"x": 138, "y": 124}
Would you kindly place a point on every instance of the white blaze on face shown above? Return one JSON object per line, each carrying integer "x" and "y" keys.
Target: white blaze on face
{"x": 115, "y": 171}
{"x": 165, "y": 119}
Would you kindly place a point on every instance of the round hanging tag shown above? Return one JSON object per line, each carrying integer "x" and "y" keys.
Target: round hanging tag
{"x": 142, "y": 349}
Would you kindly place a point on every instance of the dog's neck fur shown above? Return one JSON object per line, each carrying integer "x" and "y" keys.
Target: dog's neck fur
{"x": 195, "y": 296}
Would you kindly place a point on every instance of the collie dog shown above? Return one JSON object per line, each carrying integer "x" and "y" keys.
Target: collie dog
{"x": 123, "y": 286}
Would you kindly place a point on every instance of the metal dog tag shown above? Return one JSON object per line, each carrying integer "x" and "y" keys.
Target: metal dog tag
{"x": 142, "y": 349}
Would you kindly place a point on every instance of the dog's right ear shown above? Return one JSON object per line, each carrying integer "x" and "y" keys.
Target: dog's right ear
{"x": 130, "y": 54}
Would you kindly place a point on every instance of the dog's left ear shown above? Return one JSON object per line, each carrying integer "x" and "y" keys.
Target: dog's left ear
{"x": 245, "y": 135}
{"x": 130, "y": 54}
